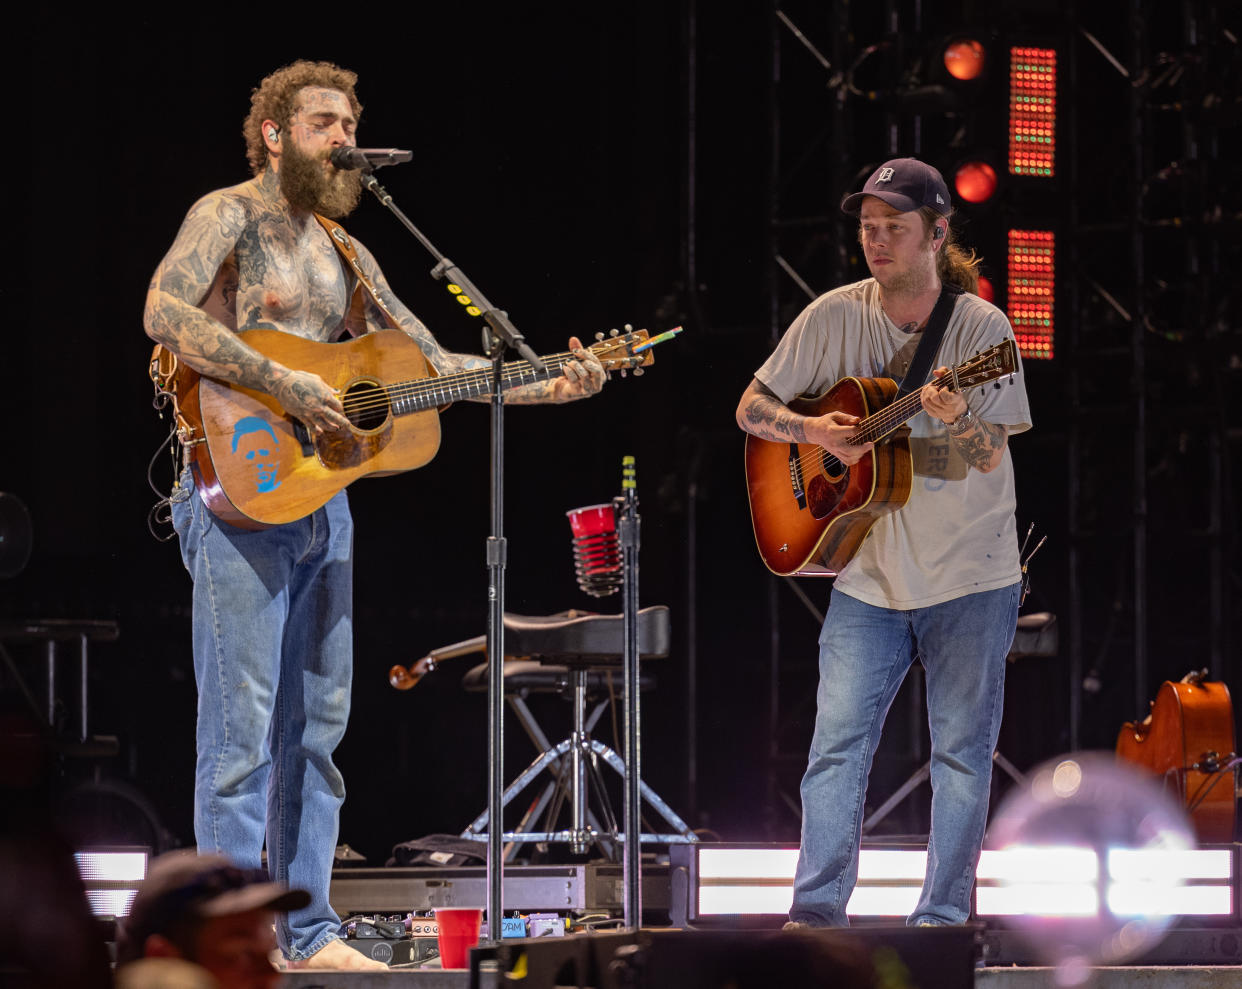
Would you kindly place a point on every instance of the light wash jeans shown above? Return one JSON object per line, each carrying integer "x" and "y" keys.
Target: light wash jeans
{"x": 864, "y": 654}
{"x": 273, "y": 658}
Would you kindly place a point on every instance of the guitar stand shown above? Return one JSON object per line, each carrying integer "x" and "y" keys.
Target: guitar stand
{"x": 1036, "y": 635}
{"x": 573, "y": 652}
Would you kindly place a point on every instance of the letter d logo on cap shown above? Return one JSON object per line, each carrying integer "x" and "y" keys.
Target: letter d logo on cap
{"x": 886, "y": 175}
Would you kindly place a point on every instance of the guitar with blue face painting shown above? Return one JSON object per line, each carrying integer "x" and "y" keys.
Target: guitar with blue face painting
{"x": 256, "y": 466}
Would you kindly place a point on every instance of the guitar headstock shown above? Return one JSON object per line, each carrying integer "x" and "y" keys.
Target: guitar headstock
{"x": 617, "y": 351}
{"x": 993, "y": 363}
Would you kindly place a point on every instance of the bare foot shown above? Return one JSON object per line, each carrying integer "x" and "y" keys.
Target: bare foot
{"x": 337, "y": 956}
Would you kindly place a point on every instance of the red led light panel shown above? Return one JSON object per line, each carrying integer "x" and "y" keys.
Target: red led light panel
{"x": 1032, "y": 289}
{"x": 1032, "y": 111}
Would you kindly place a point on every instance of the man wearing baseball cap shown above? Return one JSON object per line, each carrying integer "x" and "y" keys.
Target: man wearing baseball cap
{"x": 205, "y": 910}
{"x": 937, "y": 577}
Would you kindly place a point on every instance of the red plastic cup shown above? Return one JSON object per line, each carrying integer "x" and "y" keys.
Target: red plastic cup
{"x": 594, "y": 520}
{"x": 458, "y": 933}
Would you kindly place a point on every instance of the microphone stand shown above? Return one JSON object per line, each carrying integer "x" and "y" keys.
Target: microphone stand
{"x": 500, "y": 333}
{"x": 632, "y": 801}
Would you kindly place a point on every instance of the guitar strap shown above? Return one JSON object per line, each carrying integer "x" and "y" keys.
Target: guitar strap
{"x": 341, "y": 241}
{"x": 929, "y": 342}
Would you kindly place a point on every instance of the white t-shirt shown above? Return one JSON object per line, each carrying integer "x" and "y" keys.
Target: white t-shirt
{"x": 957, "y": 534}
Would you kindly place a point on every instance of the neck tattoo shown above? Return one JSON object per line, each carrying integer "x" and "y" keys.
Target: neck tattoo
{"x": 911, "y": 327}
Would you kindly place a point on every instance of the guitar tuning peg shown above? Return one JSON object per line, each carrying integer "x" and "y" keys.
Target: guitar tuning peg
{"x": 623, "y": 372}
{"x": 638, "y": 372}
{"x": 599, "y": 335}
{"x": 613, "y": 333}
{"x": 629, "y": 328}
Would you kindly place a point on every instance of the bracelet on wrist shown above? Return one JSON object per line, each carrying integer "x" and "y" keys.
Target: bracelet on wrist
{"x": 962, "y": 423}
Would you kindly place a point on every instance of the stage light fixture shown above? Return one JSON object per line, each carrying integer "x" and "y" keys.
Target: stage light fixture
{"x": 730, "y": 881}
{"x": 1032, "y": 291}
{"x": 111, "y": 877}
{"x": 975, "y": 181}
{"x": 965, "y": 58}
{"x": 1032, "y": 111}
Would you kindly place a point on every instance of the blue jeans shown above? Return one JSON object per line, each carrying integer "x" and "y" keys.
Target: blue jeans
{"x": 864, "y": 654}
{"x": 273, "y": 658}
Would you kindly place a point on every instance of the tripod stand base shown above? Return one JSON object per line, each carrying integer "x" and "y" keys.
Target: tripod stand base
{"x": 603, "y": 836}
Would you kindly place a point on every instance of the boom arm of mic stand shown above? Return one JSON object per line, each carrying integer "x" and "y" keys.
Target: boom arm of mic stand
{"x": 495, "y": 318}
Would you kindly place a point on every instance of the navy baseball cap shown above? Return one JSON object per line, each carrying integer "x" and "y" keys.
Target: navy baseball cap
{"x": 906, "y": 184}
{"x": 183, "y": 886}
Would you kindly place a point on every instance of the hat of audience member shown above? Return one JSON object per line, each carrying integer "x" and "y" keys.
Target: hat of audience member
{"x": 906, "y": 184}
{"x": 164, "y": 973}
{"x": 183, "y": 888}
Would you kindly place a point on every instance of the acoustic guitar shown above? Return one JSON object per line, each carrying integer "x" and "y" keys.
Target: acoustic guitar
{"x": 256, "y": 466}
{"x": 810, "y": 512}
{"x": 1188, "y": 741}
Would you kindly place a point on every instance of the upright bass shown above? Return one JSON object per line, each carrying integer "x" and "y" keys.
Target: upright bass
{"x": 1188, "y": 739}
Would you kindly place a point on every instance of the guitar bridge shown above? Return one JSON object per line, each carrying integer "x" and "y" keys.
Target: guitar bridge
{"x": 795, "y": 476}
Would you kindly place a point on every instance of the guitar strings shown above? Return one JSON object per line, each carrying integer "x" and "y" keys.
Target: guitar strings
{"x": 880, "y": 423}
{"x": 874, "y": 427}
{"x": 514, "y": 372}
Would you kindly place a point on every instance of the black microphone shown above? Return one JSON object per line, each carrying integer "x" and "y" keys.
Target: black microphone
{"x": 368, "y": 158}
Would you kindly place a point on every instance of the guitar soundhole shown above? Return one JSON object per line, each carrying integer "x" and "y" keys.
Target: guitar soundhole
{"x": 833, "y": 468}
{"x": 366, "y": 405}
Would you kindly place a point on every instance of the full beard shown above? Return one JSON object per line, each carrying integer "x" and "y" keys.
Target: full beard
{"x": 307, "y": 186}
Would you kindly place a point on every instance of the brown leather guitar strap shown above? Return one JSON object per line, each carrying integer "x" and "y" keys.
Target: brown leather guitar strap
{"x": 350, "y": 253}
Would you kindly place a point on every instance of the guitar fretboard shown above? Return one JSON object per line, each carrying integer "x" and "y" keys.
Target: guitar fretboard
{"x": 421, "y": 394}
{"x": 978, "y": 370}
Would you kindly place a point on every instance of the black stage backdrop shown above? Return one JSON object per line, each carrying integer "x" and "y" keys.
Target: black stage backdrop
{"x": 549, "y": 162}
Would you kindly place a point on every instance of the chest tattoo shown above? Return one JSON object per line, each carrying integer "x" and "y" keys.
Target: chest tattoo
{"x": 289, "y": 279}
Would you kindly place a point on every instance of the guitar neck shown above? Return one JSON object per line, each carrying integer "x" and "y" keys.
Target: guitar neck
{"x": 422, "y": 394}
{"x": 879, "y": 424}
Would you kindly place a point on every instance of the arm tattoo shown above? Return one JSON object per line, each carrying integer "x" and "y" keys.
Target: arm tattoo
{"x": 440, "y": 359}
{"x": 770, "y": 418}
{"x": 980, "y": 447}
{"x": 444, "y": 361}
{"x": 207, "y": 237}
{"x": 532, "y": 394}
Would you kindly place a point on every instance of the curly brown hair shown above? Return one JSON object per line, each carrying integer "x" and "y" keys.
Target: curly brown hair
{"x": 275, "y": 98}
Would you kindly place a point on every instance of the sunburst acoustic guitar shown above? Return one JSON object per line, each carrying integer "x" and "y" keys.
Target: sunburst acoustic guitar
{"x": 811, "y": 512}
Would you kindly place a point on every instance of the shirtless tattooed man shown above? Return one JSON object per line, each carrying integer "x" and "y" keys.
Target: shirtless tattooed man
{"x": 272, "y": 609}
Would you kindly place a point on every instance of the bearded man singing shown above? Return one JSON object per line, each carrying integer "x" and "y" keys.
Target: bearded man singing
{"x": 273, "y": 609}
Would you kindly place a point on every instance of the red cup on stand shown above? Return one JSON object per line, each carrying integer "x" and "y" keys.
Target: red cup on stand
{"x": 458, "y": 932}
{"x": 597, "y": 549}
